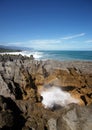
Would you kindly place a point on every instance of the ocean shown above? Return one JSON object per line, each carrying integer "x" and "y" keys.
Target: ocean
{"x": 57, "y": 55}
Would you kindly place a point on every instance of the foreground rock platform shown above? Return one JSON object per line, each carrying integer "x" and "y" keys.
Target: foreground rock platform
{"x": 22, "y": 79}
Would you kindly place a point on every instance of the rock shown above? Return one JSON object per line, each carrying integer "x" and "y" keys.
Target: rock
{"x": 22, "y": 80}
{"x": 75, "y": 117}
{"x": 52, "y": 124}
{"x": 26, "y": 128}
{"x": 31, "y": 123}
{"x": 25, "y": 106}
{"x": 10, "y": 115}
{"x": 7, "y": 57}
{"x": 4, "y": 90}
{"x": 3, "y": 104}
{"x": 6, "y": 119}
{"x": 31, "y": 57}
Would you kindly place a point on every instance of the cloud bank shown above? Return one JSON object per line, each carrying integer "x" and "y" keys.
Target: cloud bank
{"x": 62, "y": 43}
{"x": 88, "y": 41}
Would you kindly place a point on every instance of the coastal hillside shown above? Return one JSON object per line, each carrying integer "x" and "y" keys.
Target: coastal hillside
{"x": 4, "y": 48}
{"x": 8, "y": 49}
{"x": 45, "y": 95}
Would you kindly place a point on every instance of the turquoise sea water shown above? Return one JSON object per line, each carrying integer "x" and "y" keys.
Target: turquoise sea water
{"x": 57, "y": 55}
{"x": 66, "y": 55}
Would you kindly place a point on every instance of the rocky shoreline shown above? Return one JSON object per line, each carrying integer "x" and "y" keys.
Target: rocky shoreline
{"x": 23, "y": 79}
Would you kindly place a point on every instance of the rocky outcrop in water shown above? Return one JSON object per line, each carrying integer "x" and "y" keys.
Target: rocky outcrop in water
{"x": 22, "y": 79}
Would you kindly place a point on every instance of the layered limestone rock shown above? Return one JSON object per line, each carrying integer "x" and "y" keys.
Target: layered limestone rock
{"x": 22, "y": 80}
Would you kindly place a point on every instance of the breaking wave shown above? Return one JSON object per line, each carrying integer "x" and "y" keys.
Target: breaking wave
{"x": 36, "y": 55}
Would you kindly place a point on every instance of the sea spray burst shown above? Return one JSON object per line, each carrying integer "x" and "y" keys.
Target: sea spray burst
{"x": 54, "y": 96}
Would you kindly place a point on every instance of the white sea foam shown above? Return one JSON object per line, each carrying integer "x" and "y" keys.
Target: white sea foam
{"x": 36, "y": 55}
{"x": 55, "y": 96}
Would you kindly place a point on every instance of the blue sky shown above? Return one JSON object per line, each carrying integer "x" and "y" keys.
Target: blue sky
{"x": 46, "y": 24}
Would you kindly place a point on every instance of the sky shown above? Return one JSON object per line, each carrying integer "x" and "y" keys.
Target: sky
{"x": 46, "y": 24}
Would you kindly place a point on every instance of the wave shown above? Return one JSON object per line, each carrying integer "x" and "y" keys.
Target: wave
{"x": 56, "y": 55}
{"x": 37, "y": 55}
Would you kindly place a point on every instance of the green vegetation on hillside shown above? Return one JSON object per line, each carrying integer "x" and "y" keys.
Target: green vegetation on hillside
{"x": 8, "y": 50}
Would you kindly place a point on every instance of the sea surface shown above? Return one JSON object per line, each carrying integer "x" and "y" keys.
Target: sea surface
{"x": 57, "y": 55}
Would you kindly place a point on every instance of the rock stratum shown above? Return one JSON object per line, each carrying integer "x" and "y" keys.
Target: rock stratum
{"x": 45, "y": 95}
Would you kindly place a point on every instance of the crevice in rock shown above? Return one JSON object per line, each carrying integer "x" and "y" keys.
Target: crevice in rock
{"x": 45, "y": 128}
{"x": 84, "y": 99}
{"x": 18, "y": 120}
{"x": 6, "y": 128}
{"x": 45, "y": 73}
{"x": 33, "y": 83}
{"x": 72, "y": 70}
{"x": 12, "y": 106}
{"x": 18, "y": 92}
{"x": 11, "y": 87}
{"x": 56, "y": 107}
{"x": 78, "y": 91}
{"x": 84, "y": 86}
{"x": 89, "y": 95}
{"x": 68, "y": 88}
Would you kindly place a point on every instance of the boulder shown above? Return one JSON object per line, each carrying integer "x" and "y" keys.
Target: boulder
{"x": 75, "y": 117}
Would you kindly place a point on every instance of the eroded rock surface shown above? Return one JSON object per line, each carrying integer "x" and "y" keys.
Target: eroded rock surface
{"x": 23, "y": 79}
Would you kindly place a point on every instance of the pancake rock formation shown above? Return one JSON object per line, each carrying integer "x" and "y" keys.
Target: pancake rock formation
{"x": 45, "y": 95}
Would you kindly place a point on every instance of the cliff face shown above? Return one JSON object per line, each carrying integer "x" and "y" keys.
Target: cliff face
{"x": 24, "y": 80}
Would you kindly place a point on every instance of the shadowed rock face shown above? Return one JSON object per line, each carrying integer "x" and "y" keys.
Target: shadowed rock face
{"x": 10, "y": 115}
{"x": 24, "y": 115}
{"x": 23, "y": 79}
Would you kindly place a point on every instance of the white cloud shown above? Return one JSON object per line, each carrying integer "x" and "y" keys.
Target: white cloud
{"x": 48, "y": 44}
{"x": 88, "y": 41}
{"x": 38, "y": 44}
{"x": 15, "y": 43}
{"x": 73, "y": 36}
{"x": 45, "y": 43}
{"x": 50, "y": 41}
